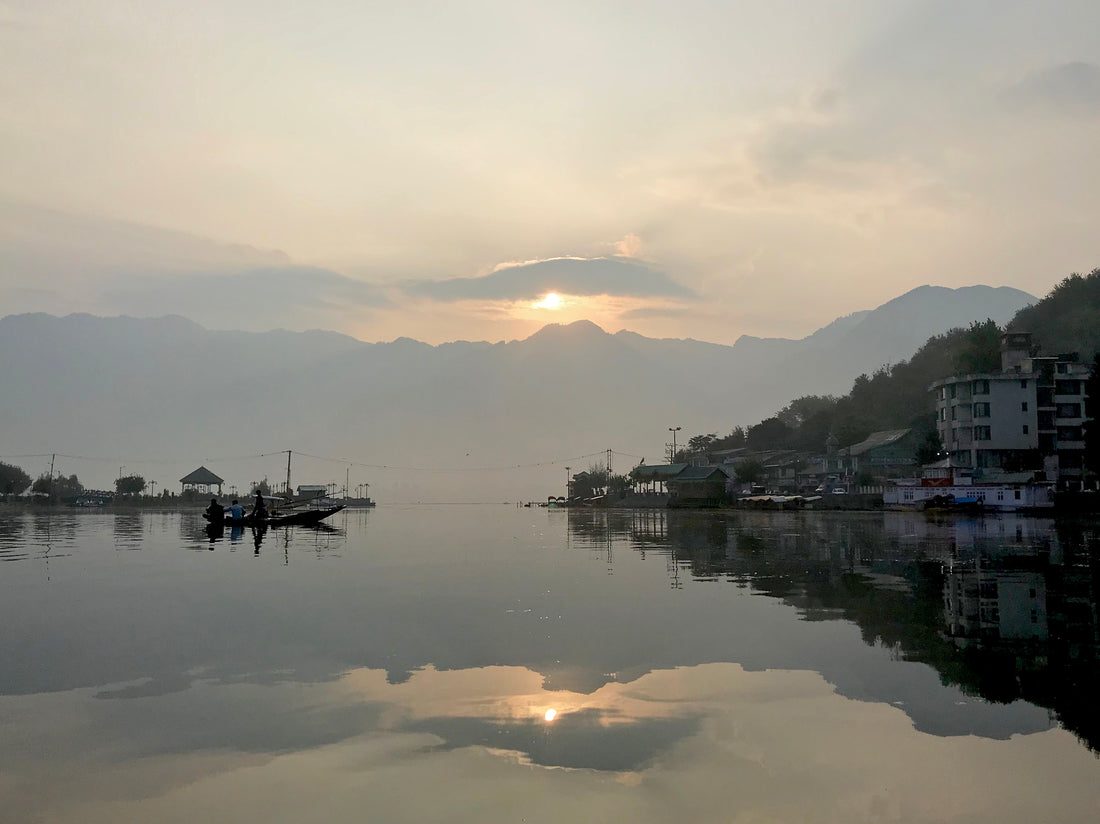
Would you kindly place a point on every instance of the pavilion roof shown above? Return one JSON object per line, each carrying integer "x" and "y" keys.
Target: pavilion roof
{"x": 202, "y": 475}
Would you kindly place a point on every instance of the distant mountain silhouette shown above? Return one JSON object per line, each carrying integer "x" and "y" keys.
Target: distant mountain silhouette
{"x": 165, "y": 395}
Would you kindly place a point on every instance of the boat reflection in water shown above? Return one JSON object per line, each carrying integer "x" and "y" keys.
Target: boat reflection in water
{"x": 1003, "y": 607}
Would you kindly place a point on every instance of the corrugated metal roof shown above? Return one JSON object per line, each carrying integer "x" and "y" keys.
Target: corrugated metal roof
{"x": 700, "y": 473}
{"x": 657, "y": 472}
{"x": 877, "y": 439}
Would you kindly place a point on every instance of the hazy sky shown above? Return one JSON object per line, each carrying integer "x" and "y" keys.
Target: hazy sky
{"x": 433, "y": 169}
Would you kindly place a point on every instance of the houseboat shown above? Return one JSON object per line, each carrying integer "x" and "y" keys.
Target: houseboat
{"x": 946, "y": 487}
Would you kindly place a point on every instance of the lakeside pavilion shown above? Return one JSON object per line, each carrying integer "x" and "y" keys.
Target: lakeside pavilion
{"x": 201, "y": 480}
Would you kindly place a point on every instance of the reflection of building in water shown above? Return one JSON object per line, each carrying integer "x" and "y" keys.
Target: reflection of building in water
{"x": 993, "y": 604}
{"x": 1003, "y": 607}
{"x": 949, "y": 535}
{"x": 649, "y": 524}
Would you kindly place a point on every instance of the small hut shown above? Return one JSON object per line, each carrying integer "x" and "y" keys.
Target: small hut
{"x": 201, "y": 480}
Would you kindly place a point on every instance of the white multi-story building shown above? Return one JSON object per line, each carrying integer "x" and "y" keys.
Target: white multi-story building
{"x": 1028, "y": 416}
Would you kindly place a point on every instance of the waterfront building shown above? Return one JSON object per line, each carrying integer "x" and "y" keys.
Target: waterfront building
{"x": 1026, "y": 417}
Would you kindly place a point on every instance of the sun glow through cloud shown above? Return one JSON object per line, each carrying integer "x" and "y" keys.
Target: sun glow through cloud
{"x": 551, "y": 301}
{"x": 551, "y": 715}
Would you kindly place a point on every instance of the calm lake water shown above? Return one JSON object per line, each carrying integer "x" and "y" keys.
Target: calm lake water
{"x": 494, "y": 663}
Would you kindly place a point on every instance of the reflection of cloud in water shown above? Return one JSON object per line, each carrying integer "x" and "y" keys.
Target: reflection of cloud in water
{"x": 776, "y": 745}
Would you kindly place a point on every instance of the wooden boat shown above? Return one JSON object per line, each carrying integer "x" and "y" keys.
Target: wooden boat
{"x": 304, "y": 517}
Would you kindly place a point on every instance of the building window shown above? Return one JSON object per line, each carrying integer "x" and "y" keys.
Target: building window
{"x": 1067, "y": 387}
{"x": 953, "y": 391}
{"x": 1016, "y": 492}
{"x": 1023, "y": 406}
{"x": 1062, "y": 368}
{"x": 1023, "y": 384}
{"x": 1068, "y": 410}
{"x": 981, "y": 433}
{"x": 981, "y": 410}
{"x": 1070, "y": 433}
{"x": 1000, "y": 494}
{"x": 1025, "y": 428}
{"x": 981, "y": 387}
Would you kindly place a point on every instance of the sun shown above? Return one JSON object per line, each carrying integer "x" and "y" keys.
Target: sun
{"x": 551, "y": 301}
{"x": 550, "y": 715}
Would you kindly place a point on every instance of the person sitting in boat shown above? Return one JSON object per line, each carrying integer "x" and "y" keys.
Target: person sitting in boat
{"x": 214, "y": 513}
{"x": 236, "y": 512}
{"x": 259, "y": 510}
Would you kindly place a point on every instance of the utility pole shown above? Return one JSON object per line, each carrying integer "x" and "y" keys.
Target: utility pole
{"x": 672, "y": 455}
{"x": 154, "y": 485}
{"x": 567, "y": 481}
{"x": 608, "y": 490}
{"x": 53, "y": 457}
{"x": 288, "y": 473}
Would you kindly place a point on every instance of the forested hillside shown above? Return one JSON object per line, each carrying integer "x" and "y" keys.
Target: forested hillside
{"x": 896, "y": 396}
{"x": 1067, "y": 319}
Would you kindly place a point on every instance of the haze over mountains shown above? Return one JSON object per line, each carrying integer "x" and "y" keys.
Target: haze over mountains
{"x": 463, "y": 421}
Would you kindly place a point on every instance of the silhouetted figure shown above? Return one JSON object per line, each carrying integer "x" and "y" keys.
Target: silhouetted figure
{"x": 259, "y": 510}
{"x": 215, "y": 513}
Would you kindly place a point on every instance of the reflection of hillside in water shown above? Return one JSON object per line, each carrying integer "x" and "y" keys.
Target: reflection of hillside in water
{"x": 1003, "y": 607}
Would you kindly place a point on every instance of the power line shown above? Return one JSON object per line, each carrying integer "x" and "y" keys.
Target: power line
{"x": 130, "y": 461}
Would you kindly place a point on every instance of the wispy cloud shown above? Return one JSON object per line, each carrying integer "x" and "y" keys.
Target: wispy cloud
{"x": 1070, "y": 88}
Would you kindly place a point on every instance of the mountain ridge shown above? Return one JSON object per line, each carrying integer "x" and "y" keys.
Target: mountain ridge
{"x": 135, "y": 389}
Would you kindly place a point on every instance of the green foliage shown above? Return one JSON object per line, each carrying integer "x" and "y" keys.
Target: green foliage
{"x": 60, "y": 488}
{"x": 800, "y": 410}
{"x": 1067, "y": 319}
{"x": 589, "y": 484}
{"x": 598, "y": 473}
{"x": 748, "y": 470}
{"x": 13, "y": 480}
{"x": 619, "y": 485}
{"x": 930, "y": 447}
{"x": 701, "y": 443}
{"x": 130, "y": 485}
{"x": 981, "y": 350}
{"x": 770, "y": 433}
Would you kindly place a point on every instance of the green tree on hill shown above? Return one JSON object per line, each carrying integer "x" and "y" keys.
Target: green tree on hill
{"x": 981, "y": 349}
{"x": 1067, "y": 319}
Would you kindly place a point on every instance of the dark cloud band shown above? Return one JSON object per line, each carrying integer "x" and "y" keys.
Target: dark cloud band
{"x": 572, "y": 276}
